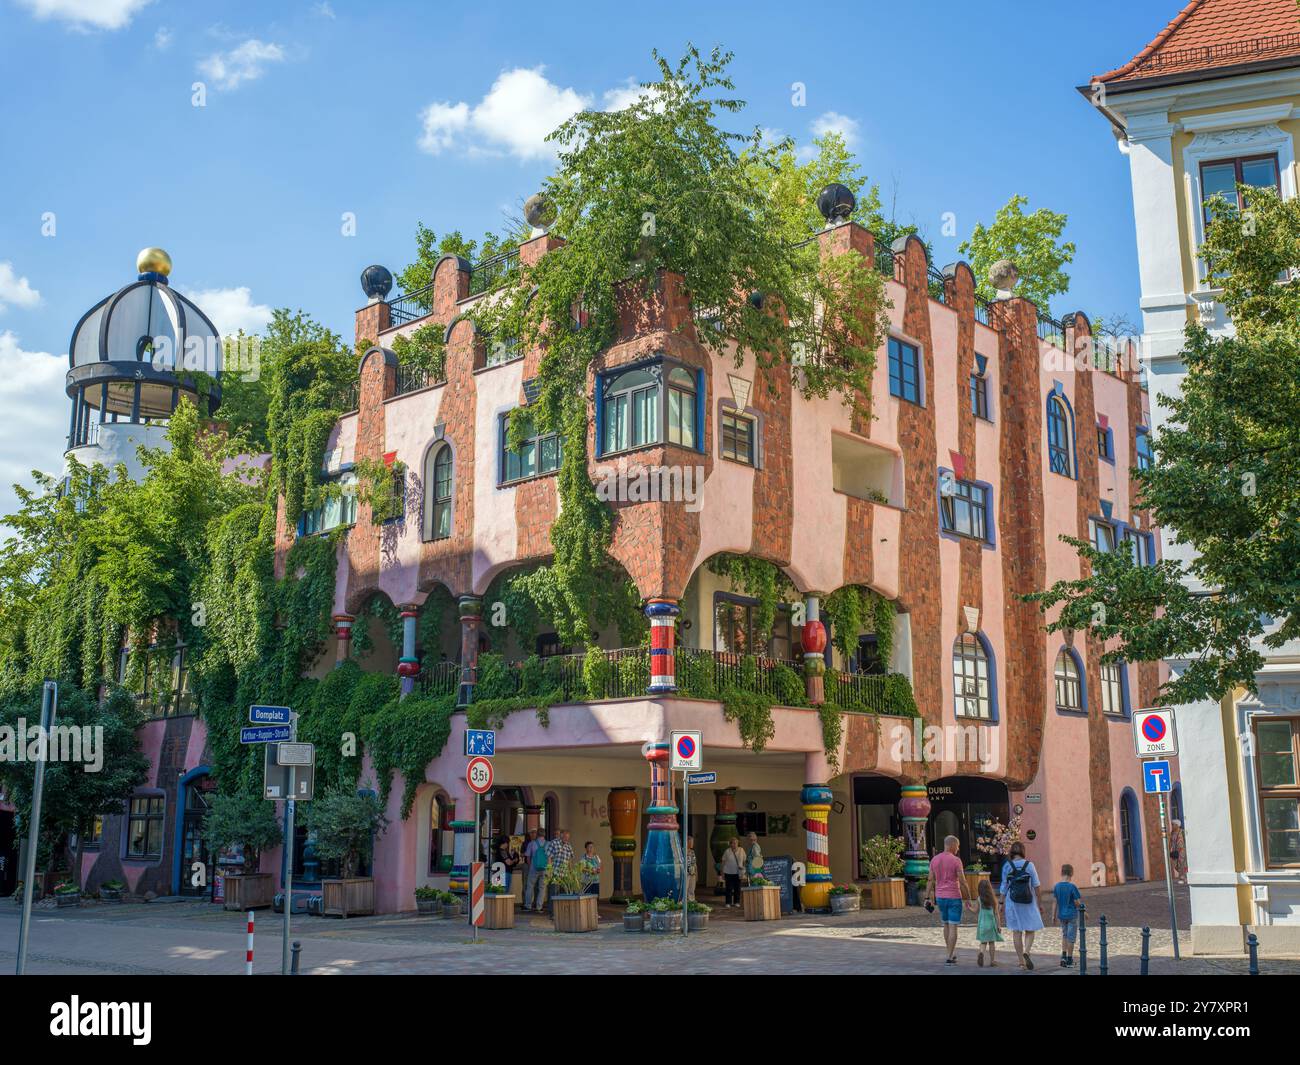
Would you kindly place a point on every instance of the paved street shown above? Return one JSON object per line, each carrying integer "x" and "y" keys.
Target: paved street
{"x": 195, "y": 937}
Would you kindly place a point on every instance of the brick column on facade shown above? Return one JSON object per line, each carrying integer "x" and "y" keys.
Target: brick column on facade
{"x": 343, "y": 632}
{"x": 816, "y": 798}
{"x": 372, "y": 319}
{"x": 813, "y": 641}
{"x": 471, "y": 619}
{"x": 663, "y": 638}
{"x": 408, "y": 666}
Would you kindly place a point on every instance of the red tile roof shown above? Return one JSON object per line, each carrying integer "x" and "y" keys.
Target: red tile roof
{"x": 1208, "y": 34}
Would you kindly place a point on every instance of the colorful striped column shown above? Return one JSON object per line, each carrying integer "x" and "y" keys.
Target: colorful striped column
{"x": 914, "y": 809}
{"x": 624, "y": 809}
{"x": 408, "y": 666}
{"x": 471, "y": 618}
{"x": 663, "y": 628}
{"x": 816, "y": 799}
{"x": 661, "y": 862}
{"x": 343, "y": 630}
{"x": 813, "y": 639}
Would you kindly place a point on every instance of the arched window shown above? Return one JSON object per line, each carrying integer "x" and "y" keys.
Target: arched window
{"x": 1060, "y": 443}
{"x": 1069, "y": 683}
{"x": 631, "y": 409}
{"x": 437, "y": 493}
{"x": 972, "y": 678}
{"x": 439, "y": 835}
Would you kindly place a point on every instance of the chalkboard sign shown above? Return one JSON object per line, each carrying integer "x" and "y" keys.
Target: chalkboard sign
{"x": 777, "y": 870}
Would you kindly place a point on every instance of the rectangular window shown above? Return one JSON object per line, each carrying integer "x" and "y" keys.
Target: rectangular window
{"x": 1142, "y": 446}
{"x": 1105, "y": 447}
{"x": 963, "y": 507}
{"x": 1277, "y": 742}
{"x": 144, "y": 827}
{"x": 95, "y": 835}
{"x": 1112, "y": 689}
{"x": 1219, "y": 180}
{"x": 540, "y": 454}
{"x": 1102, "y": 535}
{"x": 979, "y": 396}
{"x": 904, "y": 371}
{"x": 338, "y": 510}
{"x": 1141, "y": 547}
{"x": 737, "y": 438}
{"x": 734, "y": 631}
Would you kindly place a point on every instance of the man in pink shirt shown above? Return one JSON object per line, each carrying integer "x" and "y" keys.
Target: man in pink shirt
{"x": 946, "y": 888}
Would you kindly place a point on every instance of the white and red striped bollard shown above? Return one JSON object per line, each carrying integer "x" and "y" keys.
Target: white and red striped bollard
{"x": 248, "y": 958}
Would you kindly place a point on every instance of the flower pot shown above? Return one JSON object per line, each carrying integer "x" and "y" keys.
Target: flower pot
{"x": 633, "y": 922}
{"x": 761, "y": 903}
{"x": 664, "y": 921}
{"x": 110, "y": 894}
{"x": 846, "y": 903}
{"x": 889, "y": 894}
{"x": 973, "y": 882}
{"x": 67, "y": 899}
{"x": 498, "y": 911}
{"x": 344, "y": 898}
{"x": 426, "y": 906}
{"x": 249, "y": 891}
{"x": 574, "y": 913}
{"x": 450, "y": 909}
{"x": 697, "y": 922}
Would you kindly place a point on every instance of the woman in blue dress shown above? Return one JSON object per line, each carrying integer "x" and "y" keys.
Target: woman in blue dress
{"x": 1019, "y": 893}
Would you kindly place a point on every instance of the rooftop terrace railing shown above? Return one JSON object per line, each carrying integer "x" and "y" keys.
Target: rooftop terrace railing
{"x": 490, "y": 273}
{"x": 1051, "y": 330}
{"x": 983, "y": 311}
{"x": 411, "y": 306}
{"x": 413, "y": 378}
{"x": 938, "y": 284}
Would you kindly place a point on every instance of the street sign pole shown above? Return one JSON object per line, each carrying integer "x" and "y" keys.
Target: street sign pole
{"x": 289, "y": 810}
{"x": 686, "y": 822}
{"x": 477, "y": 858}
{"x": 1169, "y": 876}
{"x": 49, "y": 708}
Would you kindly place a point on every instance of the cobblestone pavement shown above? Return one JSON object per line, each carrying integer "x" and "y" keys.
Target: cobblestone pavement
{"x": 196, "y": 937}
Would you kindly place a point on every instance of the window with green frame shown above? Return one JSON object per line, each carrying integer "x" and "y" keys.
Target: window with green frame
{"x": 539, "y": 455}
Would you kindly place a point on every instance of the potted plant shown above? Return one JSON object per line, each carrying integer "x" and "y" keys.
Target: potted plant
{"x": 450, "y": 903}
{"x": 426, "y": 899}
{"x": 845, "y": 898}
{"x": 66, "y": 893}
{"x": 571, "y": 910}
{"x": 882, "y": 859}
{"x": 111, "y": 890}
{"x": 697, "y": 916}
{"x": 246, "y": 821}
{"x": 665, "y": 915}
{"x": 346, "y": 823}
{"x": 762, "y": 899}
{"x": 498, "y": 907}
{"x": 974, "y": 873}
{"x": 634, "y": 917}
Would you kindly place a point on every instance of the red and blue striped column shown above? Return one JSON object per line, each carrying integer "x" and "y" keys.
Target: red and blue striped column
{"x": 663, "y": 629}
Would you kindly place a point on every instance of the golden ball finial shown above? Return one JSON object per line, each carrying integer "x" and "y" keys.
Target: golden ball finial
{"x": 153, "y": 261}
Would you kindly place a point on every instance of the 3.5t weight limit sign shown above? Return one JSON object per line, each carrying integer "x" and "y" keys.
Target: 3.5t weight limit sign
{"x": 478, "y": 774}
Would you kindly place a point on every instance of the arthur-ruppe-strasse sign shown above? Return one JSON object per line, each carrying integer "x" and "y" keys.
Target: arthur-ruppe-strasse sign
{"x": 265, "y": 734}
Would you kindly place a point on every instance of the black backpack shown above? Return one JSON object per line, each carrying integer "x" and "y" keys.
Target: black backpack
{"x": 1022, "y": 884}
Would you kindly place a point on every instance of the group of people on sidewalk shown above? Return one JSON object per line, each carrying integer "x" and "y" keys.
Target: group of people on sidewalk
{"x": 539, "y": 856}
{"x": 1014, "y": 906}
{"x": 739, "y": 864}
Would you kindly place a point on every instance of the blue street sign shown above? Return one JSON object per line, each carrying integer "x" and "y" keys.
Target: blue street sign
{"x": 265, "y": 734}
{"x": 701, "y": 778}
{"x": 270, "y": 715}
{"x": 1156, "y": 777}
{"x": 480, "y": 741}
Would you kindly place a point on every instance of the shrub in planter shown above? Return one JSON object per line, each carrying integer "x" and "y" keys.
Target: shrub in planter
{"x": 634, "y": 917}
{"x": 845, "y": 898}
{"x": 498, "y": 907}
{"x": 697, "y": 916}
{"x": 450, "y": 903}
{"x": 571, "y": 910}
{"x": 247, "y": 821}
{"x": 665, "y": 915}
{"x": 66, "y": 893}
{"x": 346, "y": 824}
{"x": 882, "y": 861}
{"x": 427, "y": 899}
{"x": 111, "y": 890}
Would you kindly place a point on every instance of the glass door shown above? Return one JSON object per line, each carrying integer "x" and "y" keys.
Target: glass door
{"x": 198, "y": 795}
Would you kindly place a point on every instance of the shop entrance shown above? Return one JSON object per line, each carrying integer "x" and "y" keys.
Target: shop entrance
{"x": 198, "y": 798}
{"x": 8, "y": 855}
{"x": 501, "y": 819}
{"x": 966, "y": 807}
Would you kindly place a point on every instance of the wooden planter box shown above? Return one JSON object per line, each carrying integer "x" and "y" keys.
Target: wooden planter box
{"x": 574, "y": 913}
{"x": 762, "y": 903}
{"x": 498, "y": 911}
{"x": 251, "y": 891}
{"x": 346, "y": 898}
{"x": 973, "y": 882}
{"x": 888, "y": 894}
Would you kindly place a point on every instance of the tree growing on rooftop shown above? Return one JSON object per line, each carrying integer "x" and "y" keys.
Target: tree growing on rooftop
{"x": 1032, "y": 241}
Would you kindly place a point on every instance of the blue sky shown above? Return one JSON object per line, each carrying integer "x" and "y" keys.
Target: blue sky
{"x": 400, "y": 112}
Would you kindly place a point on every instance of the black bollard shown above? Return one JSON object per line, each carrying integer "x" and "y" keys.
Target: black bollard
{"x": 1083, "y": 940}
{"x": 1102, "y": 967}
{"x": 293, "y": 965}
{"x": 1146, "y": 950}
{"x": 1252, "y": 945}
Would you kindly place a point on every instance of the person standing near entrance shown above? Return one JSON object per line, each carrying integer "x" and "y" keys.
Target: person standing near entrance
{"x": 590, "y": 862}
{"x": 509, "y": 858}
{"x": 692, "y": 869}
{"x": 947, "y": 889}
{"x": 536, "y": 856}
{"x": 1020, "y": 885}
{"x": 733, "y": 864}
{"x": 1178, "y": 852}
{"x": 754, "y": 861}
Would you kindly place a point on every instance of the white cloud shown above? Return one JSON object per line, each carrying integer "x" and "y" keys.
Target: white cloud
{"x": 15, "y": 290}
{"x": 834, "y": 122}
{"x": 231, "y": 309}
{"x": 33, "y": 432}
{"x": 87, "y": 14}
{"x": 246, "y": 62}
{"x": 162, "y": 38}
{"x": 324, "y": 10}
{"x": 515, "y": 116}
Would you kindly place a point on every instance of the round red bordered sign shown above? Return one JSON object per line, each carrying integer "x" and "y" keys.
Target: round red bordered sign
{"x": 685, "y": 747}
{"x": 478, "y": 774}
{"x": 1153, "y": 728}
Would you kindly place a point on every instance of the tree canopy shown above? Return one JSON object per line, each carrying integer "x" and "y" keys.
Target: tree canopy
{"x": 1032, "y": 241}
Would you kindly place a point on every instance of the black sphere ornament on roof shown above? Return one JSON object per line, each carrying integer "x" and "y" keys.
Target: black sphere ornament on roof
{"x": 836, "y": 203}
{"x": 376, "y": 282}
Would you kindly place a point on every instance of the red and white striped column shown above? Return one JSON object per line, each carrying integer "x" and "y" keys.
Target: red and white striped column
{"x": 663, "y": 631}
{"x": 343, "y": 630}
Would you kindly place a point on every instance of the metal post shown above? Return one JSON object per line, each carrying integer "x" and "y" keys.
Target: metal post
{"x": 1252, "y": 945}
{"x": 297, "y": 950}
{"x": 1169, "y": 876}
{"x": 49, "y": 709}
{"x": 469, "y": 894}
{"x": 289, "y": 810}
{"x": 686, "y": 821}
{"x": 1146, "y": 951}
{"x": 1083, "y": 939}
{"x": 1104, "y": 967}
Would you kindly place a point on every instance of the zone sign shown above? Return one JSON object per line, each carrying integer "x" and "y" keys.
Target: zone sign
{"x": 686, "y": 752}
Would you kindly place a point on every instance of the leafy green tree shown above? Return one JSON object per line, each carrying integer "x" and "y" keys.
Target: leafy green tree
{"x": 346, "y": 824}
{"x": 1032, "y": 241}
{"x": 1225, "y": 482}
{"x": 244, "y": 819}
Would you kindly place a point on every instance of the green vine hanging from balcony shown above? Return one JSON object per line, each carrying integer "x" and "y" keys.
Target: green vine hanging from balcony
{"x": 853, "y": 610}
